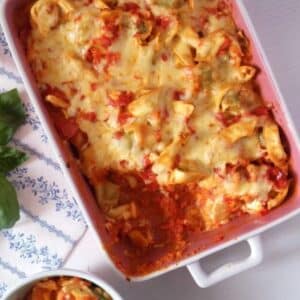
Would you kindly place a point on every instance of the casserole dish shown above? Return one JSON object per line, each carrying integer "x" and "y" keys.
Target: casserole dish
{"x": 234, "y": 232}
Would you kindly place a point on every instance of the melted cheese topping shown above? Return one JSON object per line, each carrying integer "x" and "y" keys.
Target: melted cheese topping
{"x": 164, "y": 88}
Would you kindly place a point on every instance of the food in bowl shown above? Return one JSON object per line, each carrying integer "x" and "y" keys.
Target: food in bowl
{"x": 160, "y": 101}
{"x": 61, "y": 288}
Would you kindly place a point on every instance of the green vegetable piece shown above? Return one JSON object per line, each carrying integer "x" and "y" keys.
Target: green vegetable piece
{"x": 12, "y": 115}
{"x": 10, "y": 158}
{"x": 100, "y": 294}
{"x": 9, "y": 206}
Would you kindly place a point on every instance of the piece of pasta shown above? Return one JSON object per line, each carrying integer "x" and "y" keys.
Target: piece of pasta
{"x": 140, "y": 239}
{"x": 178, "y": 176}
{"x": 214, "y": 213}
{"x": 239, "y": 130}
{"x": 209, "y": 46}
{"x": 183, "y": 53}
{"x": 57, "y": 101}
{"x": 123, "y": 212}
{"x": 145, "y": 104}
{"x": 277, "y": 197}
{"x": 107, "y": 194}
{"x": 183, "y": 109}
{"x": 100, "y": 4}
{"x": 46, "y": 14}
{"x": 273, "y": 144}
{"x": 244, "y": 73}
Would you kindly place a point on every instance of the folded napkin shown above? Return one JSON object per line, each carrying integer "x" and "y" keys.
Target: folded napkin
{"x": 51, "y": 223}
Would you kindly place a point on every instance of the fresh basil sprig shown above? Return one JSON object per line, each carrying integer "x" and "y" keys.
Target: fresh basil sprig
{"x": 12, "y": 115}
{"x": 9, "y": 205}
{"x": 10, "y": 158}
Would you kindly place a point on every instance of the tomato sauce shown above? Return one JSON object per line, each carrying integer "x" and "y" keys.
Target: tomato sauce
{"x": 122, "y": 100}
{"x": 67, "y": 128}
{"x": 278, "y": 177}
{"x": 227, "y": 120}
{"x": 88, "y": 116}
{"x": 260, "y": 111}
{"x": 163, "y": 22}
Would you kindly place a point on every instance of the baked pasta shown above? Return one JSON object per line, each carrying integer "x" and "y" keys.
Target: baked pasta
{"x": 160, "y": 101}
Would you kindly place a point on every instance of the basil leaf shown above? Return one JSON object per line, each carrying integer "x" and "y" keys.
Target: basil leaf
{"x": 12, "y": 115}
{"x": 9, "y": 206}
{"x": 10, "y": 158}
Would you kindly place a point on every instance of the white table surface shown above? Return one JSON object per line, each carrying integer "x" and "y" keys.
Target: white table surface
{"x": 277, "y": 278}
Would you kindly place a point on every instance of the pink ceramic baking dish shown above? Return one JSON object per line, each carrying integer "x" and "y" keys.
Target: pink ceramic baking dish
{"x": 244, "y": 229}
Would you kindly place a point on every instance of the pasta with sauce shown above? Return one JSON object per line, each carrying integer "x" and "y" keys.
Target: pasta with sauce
{"x": 62, "y": 288}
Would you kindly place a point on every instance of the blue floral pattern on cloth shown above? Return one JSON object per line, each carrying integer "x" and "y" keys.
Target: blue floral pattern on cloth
{"x": 3, "y": 288}
{"x": 33, "y": 121}
{"x": 51, "y": 223}
{"x": 28, "y": 149}
{"x": 46, "y": 191}
{"x": 25, "y": 247}
{"x": 3, "y": 44}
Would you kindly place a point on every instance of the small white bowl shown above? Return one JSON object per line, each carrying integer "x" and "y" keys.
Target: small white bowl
{"x": 21, "y": 289}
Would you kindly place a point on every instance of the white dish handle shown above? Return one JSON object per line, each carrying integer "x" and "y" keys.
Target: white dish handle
{"x": 205, "y": 280}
